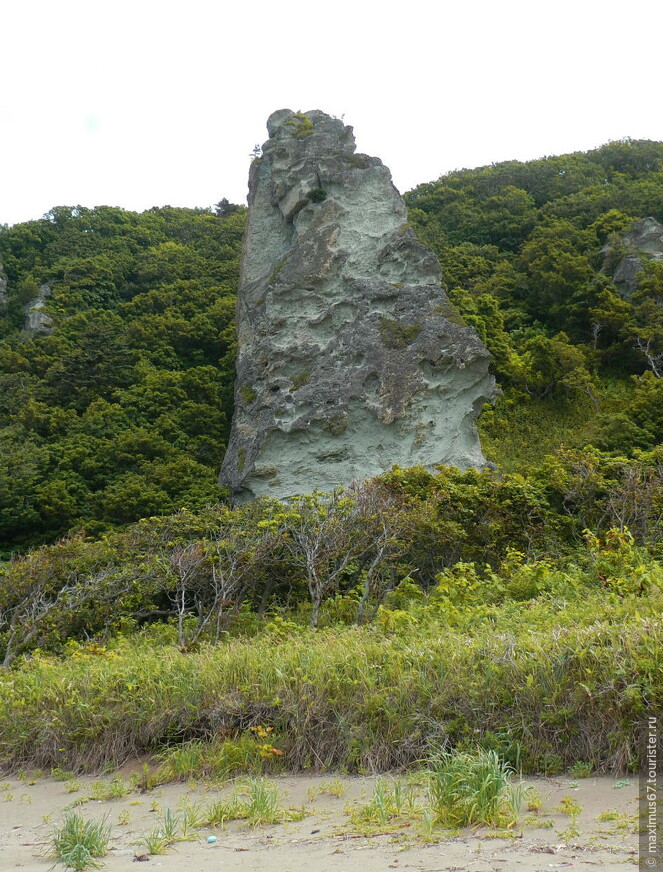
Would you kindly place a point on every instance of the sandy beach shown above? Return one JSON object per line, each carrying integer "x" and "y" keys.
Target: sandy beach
{"x": 324, "y": 839}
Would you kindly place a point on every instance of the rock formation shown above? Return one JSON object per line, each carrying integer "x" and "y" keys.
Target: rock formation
{"x": 36, "y": 320}
{"x": 624, "y": 262}
{"x": 3, "y": 287}
{"x": 350, "y": 359}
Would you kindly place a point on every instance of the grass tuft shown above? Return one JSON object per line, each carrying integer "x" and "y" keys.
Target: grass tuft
{"x": 473, "y": 788}
{"x": 80, "y": 842}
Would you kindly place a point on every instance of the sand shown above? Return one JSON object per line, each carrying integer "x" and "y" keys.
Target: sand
{"x": 325, "y": 839}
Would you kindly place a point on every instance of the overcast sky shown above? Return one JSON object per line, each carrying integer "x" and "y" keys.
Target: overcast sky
{"x": 137, "y": 103}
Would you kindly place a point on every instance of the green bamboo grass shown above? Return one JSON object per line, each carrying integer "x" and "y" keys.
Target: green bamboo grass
{"x": 545, "y": 684}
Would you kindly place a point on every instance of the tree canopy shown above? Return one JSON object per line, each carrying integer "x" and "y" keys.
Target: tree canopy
{"x": 121, "y": 410}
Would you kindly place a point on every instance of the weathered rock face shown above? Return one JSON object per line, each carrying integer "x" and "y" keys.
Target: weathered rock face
{"x": 36, "y": 320}
{"x": 3, "y": 287}
{"x": 351, "y": 358}
{"x": 644, "y": 238}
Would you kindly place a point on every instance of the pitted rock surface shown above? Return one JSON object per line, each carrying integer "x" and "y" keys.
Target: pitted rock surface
{"x": 645, "y": 239}
{"x": 350, "y": 357}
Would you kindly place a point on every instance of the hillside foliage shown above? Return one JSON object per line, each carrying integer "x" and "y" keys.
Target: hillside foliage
{"x": 119, "y": 546}
{"x": 124, "y": 409}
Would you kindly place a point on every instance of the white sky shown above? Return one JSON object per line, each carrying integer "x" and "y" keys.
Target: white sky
{"x": 137, "y": 103}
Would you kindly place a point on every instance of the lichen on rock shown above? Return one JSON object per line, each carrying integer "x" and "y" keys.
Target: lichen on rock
{"x": 347, "y": 363}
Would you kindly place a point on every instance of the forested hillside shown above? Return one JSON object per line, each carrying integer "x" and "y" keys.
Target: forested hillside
{"x": 122, "y": 410}
{"x": 521, "y": 250}
{"x": 544, "y": 571}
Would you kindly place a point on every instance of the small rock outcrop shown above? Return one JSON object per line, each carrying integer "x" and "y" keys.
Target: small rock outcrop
{"x": 3, "y": 287}
{"x": 36, "y": 320}
{"x": 624, "y": 262}
{"x": 350, "y": 357}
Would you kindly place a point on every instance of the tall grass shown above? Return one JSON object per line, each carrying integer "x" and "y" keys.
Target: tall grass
{"x": 545, "y": 682}
{"x": 472, "y": 788}
{"x": 79, "y": 842}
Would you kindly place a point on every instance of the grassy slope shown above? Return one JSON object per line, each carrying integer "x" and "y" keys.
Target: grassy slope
{"x": 544, "y": 683}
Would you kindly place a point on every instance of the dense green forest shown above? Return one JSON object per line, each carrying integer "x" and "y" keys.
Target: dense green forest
{"x": 123, "y": 409}
{"x": 121, "y": 556}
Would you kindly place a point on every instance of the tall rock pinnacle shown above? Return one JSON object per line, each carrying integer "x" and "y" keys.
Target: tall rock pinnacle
{"x": 350, "y": 357}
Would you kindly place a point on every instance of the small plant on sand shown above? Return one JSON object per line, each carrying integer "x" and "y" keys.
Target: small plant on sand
{"x": 568, "y": 805}
{"x": 581, "y": 769}
{"x": 621, "y": 822}
{"x": 155, "y": 842}
{"x": 333, "y": 787}
{"x": 107, "y": 790}
{"x": 533, "y": 799}
{"x": 390, "y": 801}
{"x": 427, "y": 825}
{"x": 224, "y": 810}
{"x": 169, "y": 825}
{"x": 468, "y": 788}
{"x": 612, "y": 815}
{"x": 256, "y": 802}
{"x": 79, "y": 843}
{"x": 262, "y": 803}
{"x": 192, "y": 816}
{"x": 167, "y": 831}
{"x": 533, "y": 820}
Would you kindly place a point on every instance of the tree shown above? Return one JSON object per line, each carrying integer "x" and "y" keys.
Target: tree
{"x": 556, "y": 271}
{"x": 69, "y": 589}
{"x": 213, "y": 577}
{"x": 386, "y": 526}
{"x": 646, "y": 328}
{"x": 547, "y": 364}
{"x": 609, "y": 314}
{"x": 224, "y": 208}
{"x": 320, "y": 540}
{"x": 22, "y": 461}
